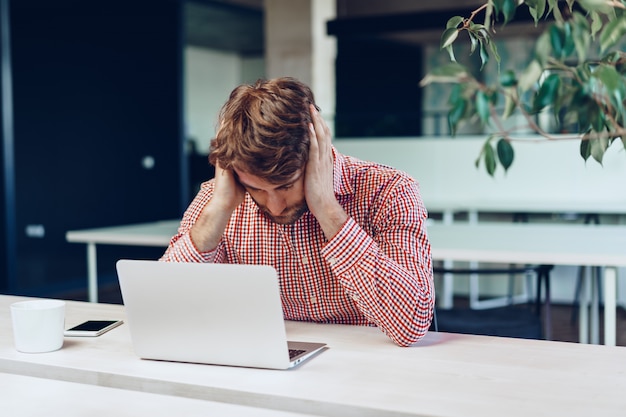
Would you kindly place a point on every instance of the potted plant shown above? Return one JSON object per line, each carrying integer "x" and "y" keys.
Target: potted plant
{"x": 577, "y": 74}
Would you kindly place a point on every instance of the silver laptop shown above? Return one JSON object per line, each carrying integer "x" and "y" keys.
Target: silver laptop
{"x": 221, "y": 314}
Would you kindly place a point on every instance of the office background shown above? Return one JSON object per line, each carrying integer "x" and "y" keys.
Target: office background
{"x": 109, "y": 100}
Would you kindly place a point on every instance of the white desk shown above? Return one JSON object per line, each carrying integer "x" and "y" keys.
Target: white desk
{"x": 554, "y": 244}
{"x": 143, "y": 234}
{"x": 26, "y": 396}
{"x": 361, "y": 374}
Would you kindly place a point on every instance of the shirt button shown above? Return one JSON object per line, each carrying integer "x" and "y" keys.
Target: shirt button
{"x": 332, "y": 261}
{"x": 305, "y": 260}
{"x": 313, "y": 299}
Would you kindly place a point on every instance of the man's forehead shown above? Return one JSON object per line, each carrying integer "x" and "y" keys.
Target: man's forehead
{"x": 255, "y": 181}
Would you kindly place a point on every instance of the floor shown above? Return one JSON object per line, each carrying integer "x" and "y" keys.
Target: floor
{"x": 564, "y": 319}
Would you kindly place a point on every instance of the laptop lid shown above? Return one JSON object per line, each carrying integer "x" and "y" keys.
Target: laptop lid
{"x": 222, "y": 314}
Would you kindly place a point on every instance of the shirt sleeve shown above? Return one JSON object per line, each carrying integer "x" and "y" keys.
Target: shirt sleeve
{"x": 181, "y": 247}
{"x": 388, "y": 271}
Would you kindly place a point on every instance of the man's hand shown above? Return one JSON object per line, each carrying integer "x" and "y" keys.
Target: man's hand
{"x": 318, "y": 180}
{"x": 227, "y": 195}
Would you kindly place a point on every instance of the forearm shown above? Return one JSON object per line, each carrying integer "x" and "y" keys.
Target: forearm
{"x": 208, "y": 229}
{"x": 398, "y": 299}
{"x": 198, "y": 217}
{"x": 331, "y": 219}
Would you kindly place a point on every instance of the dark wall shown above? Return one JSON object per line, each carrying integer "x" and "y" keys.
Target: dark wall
{"x": 97, "y": 91}
{"x": 377, "y": 88}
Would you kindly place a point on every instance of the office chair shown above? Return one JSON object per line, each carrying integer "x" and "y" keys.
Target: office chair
{"x": 501, "y": 321}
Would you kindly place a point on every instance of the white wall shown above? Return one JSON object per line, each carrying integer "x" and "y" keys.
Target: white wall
{"x": 548, "y": 177}
{"x": 210, "y": 76}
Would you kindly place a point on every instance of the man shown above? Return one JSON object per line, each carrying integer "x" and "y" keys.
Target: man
{"x": 347, "y": 237}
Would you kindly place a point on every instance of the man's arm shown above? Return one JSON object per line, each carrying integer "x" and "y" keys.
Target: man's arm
{"x": 205, "y": 220}
{"x": 389, "y": 276}
{"x": 387, "y": 270}
{"x": 210, "y": 225}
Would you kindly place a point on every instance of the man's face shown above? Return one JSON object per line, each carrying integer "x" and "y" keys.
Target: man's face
{"x": 282, "y": 203}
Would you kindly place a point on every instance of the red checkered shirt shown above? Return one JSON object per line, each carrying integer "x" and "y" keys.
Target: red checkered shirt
{"x": 376, "y": 270}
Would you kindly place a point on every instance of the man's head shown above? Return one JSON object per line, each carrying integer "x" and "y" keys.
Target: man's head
{"x": 264, "y": 140}
{"x": 264, "y": 130}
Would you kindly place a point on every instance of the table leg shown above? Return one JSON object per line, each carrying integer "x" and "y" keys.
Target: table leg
{"x": 610, "y": 302}
{"x": 583, "y": 305}
{"x": 594, "y": 322}
{"x": 446, "y": 301}
{"x": 92, "y": 273}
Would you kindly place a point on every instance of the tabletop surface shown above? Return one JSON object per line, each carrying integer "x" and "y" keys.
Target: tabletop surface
{"x": 149, "y": 234}
{"x": 26, "y": 396}
{"x": 533, "y": 243}
{"x": 361, "y": 374}
{"x": 549, "y": 243}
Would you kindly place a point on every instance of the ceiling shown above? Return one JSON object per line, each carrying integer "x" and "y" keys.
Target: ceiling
{"x": 224, "y": 26}
{"x": 237, "y": 25}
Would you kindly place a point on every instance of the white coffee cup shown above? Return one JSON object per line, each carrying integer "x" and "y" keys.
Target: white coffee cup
{"x": 38, "y": 325}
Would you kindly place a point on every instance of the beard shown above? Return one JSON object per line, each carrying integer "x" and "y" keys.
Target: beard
{"x": 289, "y": 215}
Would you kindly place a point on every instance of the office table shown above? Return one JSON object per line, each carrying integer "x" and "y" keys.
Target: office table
{"x": 27, "y": 396}
{"x": 361, "y": 374}
{"x": 553, "y": 244}
{"x": 141, "y": 234}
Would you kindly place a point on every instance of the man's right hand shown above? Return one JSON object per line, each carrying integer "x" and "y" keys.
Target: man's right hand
{"x": 228, "y": 194}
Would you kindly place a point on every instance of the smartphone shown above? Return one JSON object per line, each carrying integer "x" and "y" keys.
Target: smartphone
{"x": 93, "y": 328}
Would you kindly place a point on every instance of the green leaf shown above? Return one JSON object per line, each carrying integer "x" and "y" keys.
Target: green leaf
{"x": 612, "y": 33}
{"x": 547, "y": 92}
{"x": 601, "y": 6}
{"x": 473, "y": 41}
{"x": 555, "y": 10}
{"x": 585, "y": 149}
{"x": 490, "y": 159}
{"x": 484, "y": 55}
{"x": 557, "y": 40}
{"x": 456, "y": 114}
{"x": 608, "y": 75}
{"x": 543, "y": 48}
{"x": 494, "y": 52}
{"x": 449, "y": 73}
{"x": 508, "y": 79}
{"x": 482, "y": 106}
{"x": 536, "y": 8}
{"x": 530, "y": 76}
{"x": 498, "y": 5}
{"x": 510, "y": 95}
{"x": 508, "y": 10}
{"x": 580, "y": 36}
{"x": 448, "y": 37}
{"x": 450, "y": 51}
{"x": 505, "y": 153}
{"x": 598, "y": 147}
{"x": 596, "y": 24}
{"x": 454, "y": 22}
{"x": 568, "y": 45}
{"x": 452, "y": 70}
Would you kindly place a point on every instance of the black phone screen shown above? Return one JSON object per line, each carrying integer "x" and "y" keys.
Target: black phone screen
{"x": 93, "y": 325}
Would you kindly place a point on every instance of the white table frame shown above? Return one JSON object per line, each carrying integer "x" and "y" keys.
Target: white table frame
{"x": 157, "y": 234}
{"x": 550, "y": 244}
{"x": 560, "y": 244}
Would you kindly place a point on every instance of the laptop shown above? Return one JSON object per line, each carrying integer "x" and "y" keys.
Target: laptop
{"x": 219, "y": 314}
